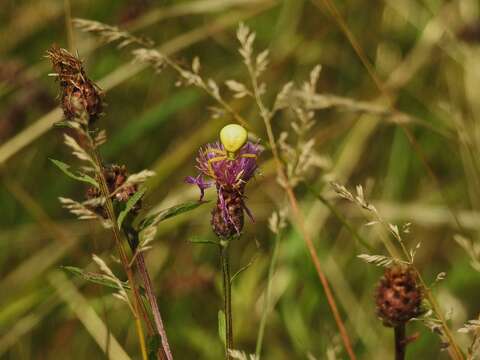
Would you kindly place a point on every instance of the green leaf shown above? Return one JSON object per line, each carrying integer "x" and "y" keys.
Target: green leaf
{"x": 129, "y": 206}
{"x": 62, "y": 123}
{"x": 94, "y": 277}
{"x": 79, "y": 176}
{"x": 245, "y": 267}
{"x": 198, "y": 240}
{"x": 222, "y": 326}
{"x": 66, "y": 124}
{"x": 153, "y": 346}
{"x": 170, "y": 212}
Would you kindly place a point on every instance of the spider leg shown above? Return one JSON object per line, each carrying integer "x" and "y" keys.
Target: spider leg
{"x": 248, "y": 156}
{"x": 215, "y": 151}
{"x": 211, "y": 161}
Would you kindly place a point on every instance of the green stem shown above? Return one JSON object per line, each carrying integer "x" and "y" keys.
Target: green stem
{"x": 227, "y": 297}
{"x": 123, "y": 257}
{"x": 340, "y": 217}
{"x": 268, "y": 294}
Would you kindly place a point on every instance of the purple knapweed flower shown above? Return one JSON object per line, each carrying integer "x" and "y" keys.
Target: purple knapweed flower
{"x": 228, "y": 165}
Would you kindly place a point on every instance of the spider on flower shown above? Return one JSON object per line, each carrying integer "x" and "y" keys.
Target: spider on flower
{"x": 233, "y": 137}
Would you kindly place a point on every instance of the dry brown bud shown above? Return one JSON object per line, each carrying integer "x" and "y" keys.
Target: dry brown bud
{"x": 227, "y": 219}
{"x": 78, "y": 94}
{"x": 115, "y": 177}
{"x": 398, "y": 296}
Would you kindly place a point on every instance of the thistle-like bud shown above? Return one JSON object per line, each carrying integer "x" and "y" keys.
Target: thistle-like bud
{"x": 115, "y": 177}
{"x": 227, "y": 215}
{"x": 229, "y": 165}
{"x": 78, "y": 94}
{"x": 398, "y": 296}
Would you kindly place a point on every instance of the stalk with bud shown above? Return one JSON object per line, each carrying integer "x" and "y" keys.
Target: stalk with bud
{"x": 228, "y": 165}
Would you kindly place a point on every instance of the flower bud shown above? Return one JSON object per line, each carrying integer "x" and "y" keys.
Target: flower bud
{"x": 115, "y": 177}
{"x": 398, "y": 296}
{"x": 79, "y": 96}
{"x": 227, "y": 216}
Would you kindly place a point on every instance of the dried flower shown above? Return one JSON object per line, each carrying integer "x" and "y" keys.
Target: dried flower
{"x": 230, "y": 164}
{"x": 115, "y": 177}
{"x": 78, "y": 94}
{"x": 398, "y": 296}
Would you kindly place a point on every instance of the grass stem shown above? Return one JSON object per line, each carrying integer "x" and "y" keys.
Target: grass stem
{"x": 267, "y": 296}
{"x": 298, "y": 216}
{"x": 340, "y": 218}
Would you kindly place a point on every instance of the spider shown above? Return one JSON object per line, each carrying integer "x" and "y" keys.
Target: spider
{"x": 232, "y": 137}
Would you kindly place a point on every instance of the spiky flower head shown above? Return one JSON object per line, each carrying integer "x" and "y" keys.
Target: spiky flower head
{"x": 229, "y": 165}
{"x": 398, "y": 296}
{"x": 78, "y": 94}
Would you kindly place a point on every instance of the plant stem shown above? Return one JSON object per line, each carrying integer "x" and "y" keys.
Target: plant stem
{"x": 340, "y": 217}
{"x": 147, "y": 283}
{"x": 68, "y": 24}
{"x": 121, "y": 250}
{"x": 400, "y": 342}
{"x": 133, "y": 240}
{"x": 227, "y": 297}
{"x": 268, "y": 294}
{"x": 453, "y": 350}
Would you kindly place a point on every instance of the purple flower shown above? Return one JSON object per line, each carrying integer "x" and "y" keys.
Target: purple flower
{"x": 229, "y": 172}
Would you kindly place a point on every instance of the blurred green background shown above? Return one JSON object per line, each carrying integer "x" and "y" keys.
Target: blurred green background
{"x": 426, "y": 53}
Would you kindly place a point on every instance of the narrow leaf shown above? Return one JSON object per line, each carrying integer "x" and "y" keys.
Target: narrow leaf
{"x": 129, "y": 206}
{"x": 153, "y": 345}
{"x": 170, "y": 212}
{"x": 198, "y": 240}
{"x": 95, "y": 278}
{"x": 222, "y": 326}
{"x": 65, "y": 168}
{"x": 243, "y": 268}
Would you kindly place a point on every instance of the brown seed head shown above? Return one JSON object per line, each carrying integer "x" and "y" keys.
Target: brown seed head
{"x": 398, "y": 296}
{"x": 78, "y": 94}
{"x": 115, "y": 177}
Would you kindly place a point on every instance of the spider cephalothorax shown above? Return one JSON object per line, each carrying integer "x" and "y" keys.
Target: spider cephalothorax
{"x": 229, "y": 164}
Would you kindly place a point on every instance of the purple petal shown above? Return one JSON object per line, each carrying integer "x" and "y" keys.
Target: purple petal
{"x": 199, "y": 181}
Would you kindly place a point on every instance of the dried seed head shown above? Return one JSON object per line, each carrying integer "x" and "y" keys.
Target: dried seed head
{"x": 115, "y": 177}
{"x": 78, "y": 94}
{"x": 227, "y": 215}
{"x": 398, "y": 296}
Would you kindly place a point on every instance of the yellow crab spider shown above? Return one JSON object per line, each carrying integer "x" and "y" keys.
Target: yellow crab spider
{"x": 232, "y": 137}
